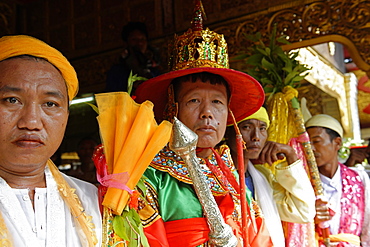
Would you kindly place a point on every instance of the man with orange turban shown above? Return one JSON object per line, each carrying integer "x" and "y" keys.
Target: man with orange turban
{"x": 39, "y": 205}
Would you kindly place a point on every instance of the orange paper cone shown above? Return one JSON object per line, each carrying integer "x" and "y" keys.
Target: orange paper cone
{"x": 131, "y": 138}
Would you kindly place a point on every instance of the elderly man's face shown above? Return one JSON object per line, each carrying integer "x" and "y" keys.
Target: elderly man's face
{"x": 34, "y": 113}
{"x": 203, "y": 108}
{"x": 325, "y": 150}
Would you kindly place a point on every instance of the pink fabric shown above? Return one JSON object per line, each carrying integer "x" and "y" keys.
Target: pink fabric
{"x": 296, "y": 234}
{"x": 304, "y": 137}
{"x": 352, "y": 204}
{"x": 117, "y": 180}
{"x": 295, "y": 143}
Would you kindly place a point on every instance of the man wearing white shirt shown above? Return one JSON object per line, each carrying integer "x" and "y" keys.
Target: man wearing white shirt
{"x": 287, "y": 195}
{"x": 346, "y": 190}
{"x": 39, "y": 205}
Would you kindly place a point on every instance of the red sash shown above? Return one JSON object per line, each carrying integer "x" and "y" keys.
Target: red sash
{"x": 189, "y": 232}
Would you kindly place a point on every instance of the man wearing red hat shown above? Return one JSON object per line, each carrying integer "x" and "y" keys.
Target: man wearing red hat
{"x": 200, "y": 90}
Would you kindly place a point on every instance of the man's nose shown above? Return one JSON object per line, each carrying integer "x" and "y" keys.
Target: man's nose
{"x": 255, "y": 135}
{"x": 30, "y": 117}
{"x": 206, "y": 111}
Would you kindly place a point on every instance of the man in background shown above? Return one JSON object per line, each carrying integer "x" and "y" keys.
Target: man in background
{"x": 286, "y": 195}
{"x": 86, "y": 169}
{"x": 138, "y": 56}
{"x": 346, "y": 190}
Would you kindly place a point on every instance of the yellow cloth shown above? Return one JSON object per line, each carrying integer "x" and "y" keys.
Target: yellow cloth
{"x": 261, "y": 115}
{"x": 12, "y": 46}
{"x": 343, "y": 237}
{"x": 131, "y": 139}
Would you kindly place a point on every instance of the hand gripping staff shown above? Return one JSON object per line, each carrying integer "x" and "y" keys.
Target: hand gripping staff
{"x": 183, "y": 142}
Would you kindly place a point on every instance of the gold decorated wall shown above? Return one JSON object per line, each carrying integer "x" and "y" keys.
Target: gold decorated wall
{"x": 88, "y": 32}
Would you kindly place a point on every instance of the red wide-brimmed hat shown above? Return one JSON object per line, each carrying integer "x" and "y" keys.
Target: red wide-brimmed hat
{"x": 196, "y": 51}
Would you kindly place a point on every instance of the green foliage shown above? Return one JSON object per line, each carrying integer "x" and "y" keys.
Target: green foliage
{"x": 128, "y": 227}
{"x": 94, "y": 107}
{"x": 131, "y": 80}
{"x": 141, "y": 186}
{"x": 271, "y": 65}
{"x": 130, "y": 83}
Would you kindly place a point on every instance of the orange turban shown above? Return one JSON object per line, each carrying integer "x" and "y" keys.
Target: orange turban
{"x": 12, "y": 46}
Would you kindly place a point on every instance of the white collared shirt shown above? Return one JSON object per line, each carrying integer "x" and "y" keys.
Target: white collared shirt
{"x": 49, "y": 223}
{"x": 36, "y": 216}
{"x": 333, "y": 193}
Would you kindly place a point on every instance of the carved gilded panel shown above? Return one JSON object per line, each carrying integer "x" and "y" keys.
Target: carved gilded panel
{"x": 344, "y": 21}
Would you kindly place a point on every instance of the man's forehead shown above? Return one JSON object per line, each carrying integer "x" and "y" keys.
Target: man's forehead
{"x": 36, "y": 72}
{"x": 317, "y": 131}
{"x": 189, "y": 87}
{"x": 254, "y": 121}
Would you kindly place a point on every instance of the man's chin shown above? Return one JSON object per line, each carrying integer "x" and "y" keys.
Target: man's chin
{"x": 207, "y": 142}
{"x": 251, "y": 155}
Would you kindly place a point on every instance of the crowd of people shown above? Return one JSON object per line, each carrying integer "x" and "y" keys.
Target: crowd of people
{"x": 40, "y": 206}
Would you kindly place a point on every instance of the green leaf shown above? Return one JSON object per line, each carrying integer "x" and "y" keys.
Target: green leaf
{"x": 119, "y": 227}
{"x": 139, "y": 78}
{"x": 268, "y": 89}
{"x": 130, "y": 83}
{"x": 289, "y": 78}
{"x": 132, "y": 230}
{"x": 131, "y": 80}
{"x": 240, "y": 57}
{"x": 94, "y": 107}
{"x": 144, "y": 240}
{"x": 125, "y": 210}
{"x": 268, "y": 51}
{"x": 298, "y": 79}
{"x": 295, "y": 103}
{"x": 272, "y": 93}
{"x": 271, "y": 65}
{"x": 253, "y": 38}
{"x": 267, "y": 65}
{"x": 255, "y": 59}
{"x": 135, "y": 217}
{"x": 273, "y": 36}
{"x": 141, "y": 186}
{"x": 134, "y": 239}
{"x": 283, "y": 39}
{"x": 266, "y": 81}
{"x": 262, "y": 51}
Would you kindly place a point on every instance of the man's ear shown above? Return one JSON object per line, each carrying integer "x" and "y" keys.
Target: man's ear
{"x": 338, "y": 142}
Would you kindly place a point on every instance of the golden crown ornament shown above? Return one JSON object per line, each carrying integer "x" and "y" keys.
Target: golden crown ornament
{"x": 197, "y": 47}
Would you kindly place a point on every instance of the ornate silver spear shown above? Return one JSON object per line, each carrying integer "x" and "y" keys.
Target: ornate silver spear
{"x": 183, "y": 142}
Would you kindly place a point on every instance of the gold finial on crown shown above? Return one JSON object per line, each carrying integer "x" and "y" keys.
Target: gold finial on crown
{"x": 197, "y": 47}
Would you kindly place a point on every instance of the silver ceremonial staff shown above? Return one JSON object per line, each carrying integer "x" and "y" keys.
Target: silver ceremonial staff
{"x": 183, "y": 142}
